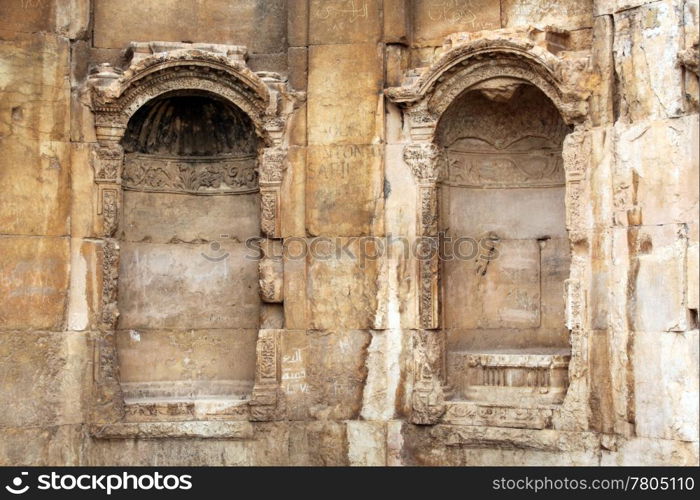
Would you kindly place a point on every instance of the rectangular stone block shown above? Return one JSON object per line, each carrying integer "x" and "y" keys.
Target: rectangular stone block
{"x": 188, "y": 286}
{"x": 298, "y": 67}
{"x": 166, "y": 218}
{"x": 512, "y": 214}
{"x": 569, "y": 14}
{"x": 298, "y": 22}
{"x": 33, "y": 282}
{"x": 647, "y": 40}
{"x": 187, "y": 363}
{"x": 666, "y": 385}
{"x": 51, "y": 446}
{"x": 344, "y": 21}
{"x": 295, "y": 382}
{"x": 656, "y": 291}
{"x": 344, "y": 190}
{"x": 321, "y": 443}
{"x": 35, "y": 166}
{"x": 657, "y": 169}
{"x": 84, "y": 219}
{"x": 344, "y": 105}
{"x": 433, "y": 20}
{"x": 45, "y": 377}
{"x": 397, "y": 15}
{"x": 367, "y": 444}
{"x": 507, "y": 295}
{"x": 260, "y": 25}
{"x": 85, "y": 292}
{"x": 293, "y": 195}
{"x": 295, "y": 301}
{"x": 341, "y": 284}
{"x": 26, "y": 16}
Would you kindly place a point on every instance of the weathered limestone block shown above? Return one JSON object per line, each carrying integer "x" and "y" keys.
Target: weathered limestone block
{"x": 366, "y": 443}
{"x": 433, "y": 20}
{"x": 656, "y": 291}
{"x": 602, "y": 98}
{"x": 84, "y": 220}
{"x": 85, "y": 293}
{"x": 35, "y": 167}
{"x": 33, "y": 282}
{"x": 350, "y": 75}
{"x": 26, "y": 17}
{"x": 266, "y": 447}
{"x": 600, "y": 396}
{"x": 656, "y": 173}
{"x": 72, "y": 18}
{"x": 298, "y": 23}
{"x": 293, "y": 193}
{"x": 386, "y": 373}
{"x": 322, "y": 443}
{"x": 171, "y": 218}
{"x": 647, "y": 41}
{"x": 652, "y": 452}
{"x": 601, "y": 7}
{"x": 186, "y": 364}
{"x": 336, "y": 373}
{"x": 55, "y": 445}
{"x": 344, "y": 190}
{"x": 397, "y": 17}
{"x": 341, "y": 283}
{"x": 666, "y": 370}
{"x": 188, "y": 286}
{"x": 295, "y": 304}
{"x": 344, "y": 21}
{"x": 45, "y": 377}
{"x": 323, "y": 373}
{"x": 569, "y": 14}
{"x": 260, "y": 25}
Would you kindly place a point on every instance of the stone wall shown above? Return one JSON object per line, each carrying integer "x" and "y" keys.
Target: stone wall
{"x": 356, "y": 345}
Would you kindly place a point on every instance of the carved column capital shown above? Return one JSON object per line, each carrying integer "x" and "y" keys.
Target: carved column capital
{"x": 273, "y": 165}
{"x": 424, "y": 160}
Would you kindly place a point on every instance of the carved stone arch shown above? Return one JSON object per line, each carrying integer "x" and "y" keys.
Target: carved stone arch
{"x": 163, "y": 69}
{"x": 490, "y": 64}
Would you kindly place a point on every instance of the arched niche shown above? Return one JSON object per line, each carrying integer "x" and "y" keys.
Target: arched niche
{"x": 502, "y": 291}
{"x": 188, "y": 165}
{"x": 188, "y": 297}
{"x": 487, "y": 128}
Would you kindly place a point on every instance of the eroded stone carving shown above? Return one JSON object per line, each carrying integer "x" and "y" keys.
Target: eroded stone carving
{"x": 194, "y": 175}
{"x": 164, "y": 157}
{"x": 486, "y": 149}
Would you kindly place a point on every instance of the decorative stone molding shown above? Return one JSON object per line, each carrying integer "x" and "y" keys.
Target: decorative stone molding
{"x": 267, "y": 402}
{"x": 496, "y": 63}
{"x": 427, "y": 399}
{"x": 183, "y": 430}
{"x": 464, "y": 413}
{"x": 273, "y": 165}
{"x": 157, "y": 69}
{"x": 468, "y": 62}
